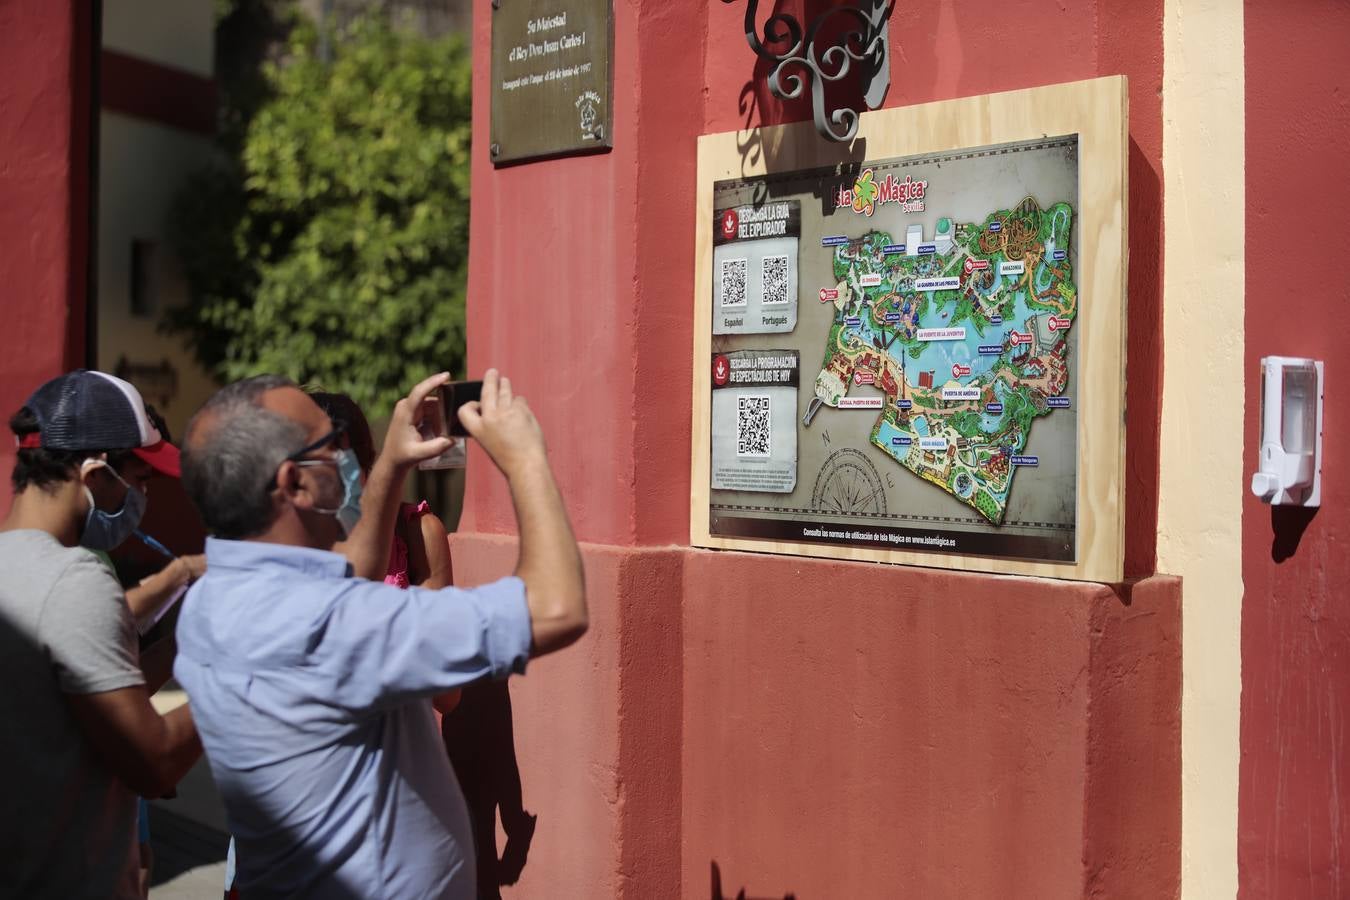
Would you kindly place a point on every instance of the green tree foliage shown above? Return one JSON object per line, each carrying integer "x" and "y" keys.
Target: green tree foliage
{"x": 331, "y": 242}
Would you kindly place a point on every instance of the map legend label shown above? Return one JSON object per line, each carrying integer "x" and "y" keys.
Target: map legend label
{"x": 936, "y": 284}
{"x": 940, "y": 334}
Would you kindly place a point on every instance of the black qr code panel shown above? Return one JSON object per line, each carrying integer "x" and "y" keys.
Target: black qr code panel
{"x": 752, "y": 425}
{"x": 775, "y": 279}
{"x": 733, "y": 282}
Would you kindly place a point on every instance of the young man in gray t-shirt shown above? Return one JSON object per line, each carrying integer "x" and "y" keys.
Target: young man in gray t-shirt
{"x": 81, "y": 737}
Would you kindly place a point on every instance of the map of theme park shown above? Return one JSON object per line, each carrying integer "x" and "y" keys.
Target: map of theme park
{"x": 967, "y": 337}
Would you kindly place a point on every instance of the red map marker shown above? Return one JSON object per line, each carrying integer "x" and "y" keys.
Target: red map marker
{"x": 1058, "y": 324}
{"x": 828, "y": 294}
{"x": 721, "y": 370}
{"x": 958, "y": 370}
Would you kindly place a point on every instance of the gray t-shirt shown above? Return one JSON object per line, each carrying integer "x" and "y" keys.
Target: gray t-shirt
{"x": 69, "y": 826}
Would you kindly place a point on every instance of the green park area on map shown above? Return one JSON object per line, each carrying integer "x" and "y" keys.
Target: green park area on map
{"x": 966, "y": 336}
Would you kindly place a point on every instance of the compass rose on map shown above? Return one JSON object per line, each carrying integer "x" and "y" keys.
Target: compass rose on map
{"x": 849, "y": 483}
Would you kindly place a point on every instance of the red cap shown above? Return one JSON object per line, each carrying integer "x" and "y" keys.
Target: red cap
{"x": 163, "y": 456}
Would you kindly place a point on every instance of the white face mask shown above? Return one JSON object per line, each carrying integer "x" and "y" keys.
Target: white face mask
{"x": 104, "y": 530}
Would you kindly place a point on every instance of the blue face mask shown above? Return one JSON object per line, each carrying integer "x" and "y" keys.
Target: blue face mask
{"x": 104, "y": 530}
{"x": 349, "y": 470}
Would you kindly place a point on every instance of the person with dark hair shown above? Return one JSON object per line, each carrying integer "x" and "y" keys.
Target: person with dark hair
{"x": 84, "y": 738}
{"x": 310, "y": 686}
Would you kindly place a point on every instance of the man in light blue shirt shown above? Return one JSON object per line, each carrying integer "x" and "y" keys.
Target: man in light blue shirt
{"x": 311, "y": 688}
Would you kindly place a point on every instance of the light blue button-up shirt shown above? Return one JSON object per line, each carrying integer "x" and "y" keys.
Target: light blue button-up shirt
{"x": 311, "y": 691}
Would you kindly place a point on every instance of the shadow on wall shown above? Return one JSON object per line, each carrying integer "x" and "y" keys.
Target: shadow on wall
{"x": 1287, "y": 525}
{"x": 480, "y": 738}
{"x": 759, "y": 107}
{"x": 740, "y": 895}
{"x": 1143, "y": 365}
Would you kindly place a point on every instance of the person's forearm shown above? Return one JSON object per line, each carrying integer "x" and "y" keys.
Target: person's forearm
{"x": 146, "y": 598}
{"x": 367, "y": 548}
{"x": 550, "y": 562}
{"x": 179, "y": 747}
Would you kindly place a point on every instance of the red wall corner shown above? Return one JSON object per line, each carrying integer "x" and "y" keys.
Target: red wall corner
{"x": 598, "y": 728}
{"x": 1132, "y": 832}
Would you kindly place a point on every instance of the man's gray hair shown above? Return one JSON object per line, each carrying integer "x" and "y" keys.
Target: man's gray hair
{"x": 230, "y": 455}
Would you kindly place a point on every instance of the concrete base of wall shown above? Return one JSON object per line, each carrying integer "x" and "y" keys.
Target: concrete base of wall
{"x": 780, "y": 725}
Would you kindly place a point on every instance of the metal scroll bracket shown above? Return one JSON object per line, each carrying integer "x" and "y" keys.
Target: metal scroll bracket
{"x": 865, "y": 41}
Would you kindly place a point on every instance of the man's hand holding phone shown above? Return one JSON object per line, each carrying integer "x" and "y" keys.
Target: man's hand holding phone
{"x": 405, "y": 444}
{"x": 504, "y": 426}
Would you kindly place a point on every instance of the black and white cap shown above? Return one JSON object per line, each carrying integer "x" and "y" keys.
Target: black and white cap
{"x": 87, "y": 410}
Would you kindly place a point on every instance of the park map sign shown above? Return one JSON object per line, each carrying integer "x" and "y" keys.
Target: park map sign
{"x": 894, "y": 358}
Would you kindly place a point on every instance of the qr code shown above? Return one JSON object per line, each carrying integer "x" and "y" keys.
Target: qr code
{"x": 775, "y": 279}
{"x": 752, "y": 425}
{"x": 733, "y": 282}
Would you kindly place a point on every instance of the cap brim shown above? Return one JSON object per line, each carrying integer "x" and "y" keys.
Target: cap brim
{"x": 162, "y": 456}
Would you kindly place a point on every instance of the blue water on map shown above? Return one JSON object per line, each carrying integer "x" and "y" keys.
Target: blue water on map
{"x": 920, "y": 426}
{"x": 886, "y": 432}
{"x": 939, "y": 356}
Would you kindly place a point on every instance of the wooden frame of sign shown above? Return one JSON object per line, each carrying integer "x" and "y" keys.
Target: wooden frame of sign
{"x": 1096, "y": 112}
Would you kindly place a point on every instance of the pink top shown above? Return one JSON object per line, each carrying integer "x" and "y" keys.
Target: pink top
{"x": 398, "y": 553}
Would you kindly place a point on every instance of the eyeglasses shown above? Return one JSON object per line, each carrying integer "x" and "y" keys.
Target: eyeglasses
{"x": 339, "y": 429}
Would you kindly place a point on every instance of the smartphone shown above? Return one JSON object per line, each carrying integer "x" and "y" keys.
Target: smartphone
{"x": 440, "y": 419}
{"x": 455, "y": 394}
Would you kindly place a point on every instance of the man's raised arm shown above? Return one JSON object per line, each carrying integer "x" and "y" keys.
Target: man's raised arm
{"x": 367, "y": 548}
{"x": 550, "y": 562}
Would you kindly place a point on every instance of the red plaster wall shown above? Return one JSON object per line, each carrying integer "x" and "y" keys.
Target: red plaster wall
{"x": 837, "y": 730}
{"x": 44, "y": 227}
{"x": 597, "y": 729}
{"x": 879, "y": 732}
{"x": 1293, "y": 819}
{"x": 579, "y": 285}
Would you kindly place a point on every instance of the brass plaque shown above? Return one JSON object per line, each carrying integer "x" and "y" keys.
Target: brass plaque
{"x": 550, "y": 78}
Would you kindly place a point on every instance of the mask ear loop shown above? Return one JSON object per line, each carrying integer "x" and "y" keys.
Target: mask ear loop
{"x": 89, "y": 465}
{"x": 94, "y": 462}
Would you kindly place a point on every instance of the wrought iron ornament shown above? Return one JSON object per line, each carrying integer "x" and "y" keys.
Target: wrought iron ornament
{"x": 868, "y": 45}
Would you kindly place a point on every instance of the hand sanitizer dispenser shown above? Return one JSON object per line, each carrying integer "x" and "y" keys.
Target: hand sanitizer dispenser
{"x": 1289, "y": 471}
